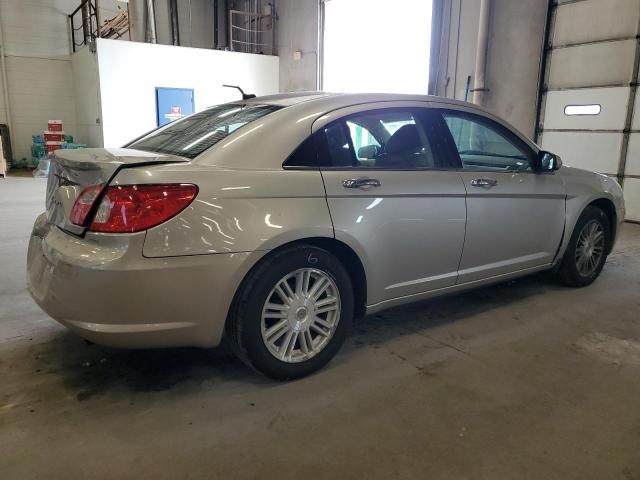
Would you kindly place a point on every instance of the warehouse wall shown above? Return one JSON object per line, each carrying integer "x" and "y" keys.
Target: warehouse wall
{"x": 513, "y": 70}
{"x": 37, "y": 48}
{"x": 516, "y": 36}
{"x": 457, "y": 51}
{"x": 297, "y": 31}
{"x": 195, "y": 23}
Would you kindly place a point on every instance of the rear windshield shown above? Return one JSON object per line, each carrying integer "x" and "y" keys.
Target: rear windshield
{"x": 192, "y": 135}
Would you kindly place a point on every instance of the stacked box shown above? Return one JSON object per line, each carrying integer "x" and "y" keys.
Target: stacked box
{"x": 52, "y": 139}
{"x": 52, "y": 136}
{"x": 54, "y": 145}
{"x": 55, "y": 126}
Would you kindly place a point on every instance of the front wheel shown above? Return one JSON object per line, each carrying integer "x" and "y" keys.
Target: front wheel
{"x": 293, "y": 313}
{"x": 587, "y": 250}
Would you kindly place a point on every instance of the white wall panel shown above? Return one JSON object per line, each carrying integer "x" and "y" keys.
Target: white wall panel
{"x": 593, "y": 65}
{"x": 130, "y": 72}
{"x": 632, "y": 198}
{"x": 599, "y": 152}
{"x": 632, "y": 166}
{"x": 635, "y": 124}
{"x": 600, "y": 57}
{"x": 593, "y": 20}
{"x": 87, "y": 97}
{"x": 612, "y": 101}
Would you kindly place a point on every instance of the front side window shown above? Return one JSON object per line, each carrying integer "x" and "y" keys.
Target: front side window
{"x": 485, "y": 145}
{"x": 192, "y": 135}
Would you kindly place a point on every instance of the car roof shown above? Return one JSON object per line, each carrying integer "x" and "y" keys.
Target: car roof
{"x": 339, "y": 100}
{"x": 295, "y": 121}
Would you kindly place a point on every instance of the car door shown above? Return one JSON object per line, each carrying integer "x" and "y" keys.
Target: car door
{"x": 392, "y": 198}
{"x": 515, "y": 212}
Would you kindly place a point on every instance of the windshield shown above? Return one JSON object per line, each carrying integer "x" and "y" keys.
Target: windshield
{"x": 192, "y": 135}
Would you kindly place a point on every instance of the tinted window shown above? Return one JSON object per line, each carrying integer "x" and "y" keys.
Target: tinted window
{"x": 192, "y": 135}
{"x": 307, "y": 154}
{"x": 339, "y": 148}
{"x": 389, "y": 139}
{"x": 485, "y": 145}
{"x": 328, "y": 147}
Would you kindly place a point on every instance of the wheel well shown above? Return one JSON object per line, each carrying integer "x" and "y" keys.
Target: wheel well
{"x": 349, "y": 259}
{"x": 609, "y": 208}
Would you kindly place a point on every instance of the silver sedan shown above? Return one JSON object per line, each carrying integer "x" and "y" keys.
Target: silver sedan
{"x": 273, "y": 222}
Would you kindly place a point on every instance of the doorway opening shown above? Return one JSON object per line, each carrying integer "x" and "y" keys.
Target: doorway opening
{"x": 371, "y": 46}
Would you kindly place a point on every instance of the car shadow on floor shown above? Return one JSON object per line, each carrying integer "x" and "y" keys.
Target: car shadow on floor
{"x": 423, "y": 316}
{"x": 92, "y": 370}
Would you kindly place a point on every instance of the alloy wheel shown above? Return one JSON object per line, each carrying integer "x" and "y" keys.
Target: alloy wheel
{"x": 300, "y": 315}
{"x": 589, "y": 248}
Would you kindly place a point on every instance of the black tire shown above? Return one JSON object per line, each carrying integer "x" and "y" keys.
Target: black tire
{"x": 244, "y": 325}
{"x": 569, "y": 273}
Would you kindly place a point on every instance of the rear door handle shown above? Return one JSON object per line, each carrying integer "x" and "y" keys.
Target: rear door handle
{"x": 360, "y": 182}
{"x": 484, "y": 182}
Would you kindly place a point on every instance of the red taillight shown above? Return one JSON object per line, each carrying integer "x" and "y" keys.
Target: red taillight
{"x": 132, "y": 208}
{"x": 83, "y": 204}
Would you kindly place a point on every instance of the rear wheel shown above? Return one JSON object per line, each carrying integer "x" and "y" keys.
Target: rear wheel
{"x": 587, "y": 250}
{"x": 293, "y": 313}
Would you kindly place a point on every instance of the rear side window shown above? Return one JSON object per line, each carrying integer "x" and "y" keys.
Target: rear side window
{"x": 328, "y": 147}
{"x": 307, "y": 154}
{"x": 391, "y": 139}
{"x": 192, "y": 135}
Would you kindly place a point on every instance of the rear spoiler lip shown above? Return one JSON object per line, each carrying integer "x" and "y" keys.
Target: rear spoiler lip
{"x": 112, "y": 157}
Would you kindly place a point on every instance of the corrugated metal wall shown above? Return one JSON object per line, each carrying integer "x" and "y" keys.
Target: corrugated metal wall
{"x": 592, "y": 68}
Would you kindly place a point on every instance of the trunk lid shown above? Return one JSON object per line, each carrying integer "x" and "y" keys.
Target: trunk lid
{"x": 71, "y": 171}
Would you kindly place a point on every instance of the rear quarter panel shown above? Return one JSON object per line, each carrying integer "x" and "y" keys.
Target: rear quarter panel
{"x": 235, "y": 210}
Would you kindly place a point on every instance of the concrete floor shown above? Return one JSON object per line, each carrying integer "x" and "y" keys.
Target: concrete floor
{"x": 523, "y": 380}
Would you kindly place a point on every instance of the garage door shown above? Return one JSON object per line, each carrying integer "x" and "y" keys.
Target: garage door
{"x": 590, "y": 110}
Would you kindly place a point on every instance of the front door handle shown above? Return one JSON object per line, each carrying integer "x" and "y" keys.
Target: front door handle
{"x": 360, "y": 182}
{"x": 484, "y": 182}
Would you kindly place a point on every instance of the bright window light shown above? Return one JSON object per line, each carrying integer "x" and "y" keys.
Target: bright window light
{"x": 377, "y": 46}
{"x": 582, "y": 110}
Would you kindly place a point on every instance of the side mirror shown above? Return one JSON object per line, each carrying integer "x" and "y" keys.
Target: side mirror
{"x": 548, "y": 161}
{"x": 370, "y": 152}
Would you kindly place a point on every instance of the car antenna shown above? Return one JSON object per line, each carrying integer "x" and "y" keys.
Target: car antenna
{"x": 245, "y": 96}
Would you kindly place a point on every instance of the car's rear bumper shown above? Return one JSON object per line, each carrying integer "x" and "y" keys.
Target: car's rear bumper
{"x": 103, "y": 288}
